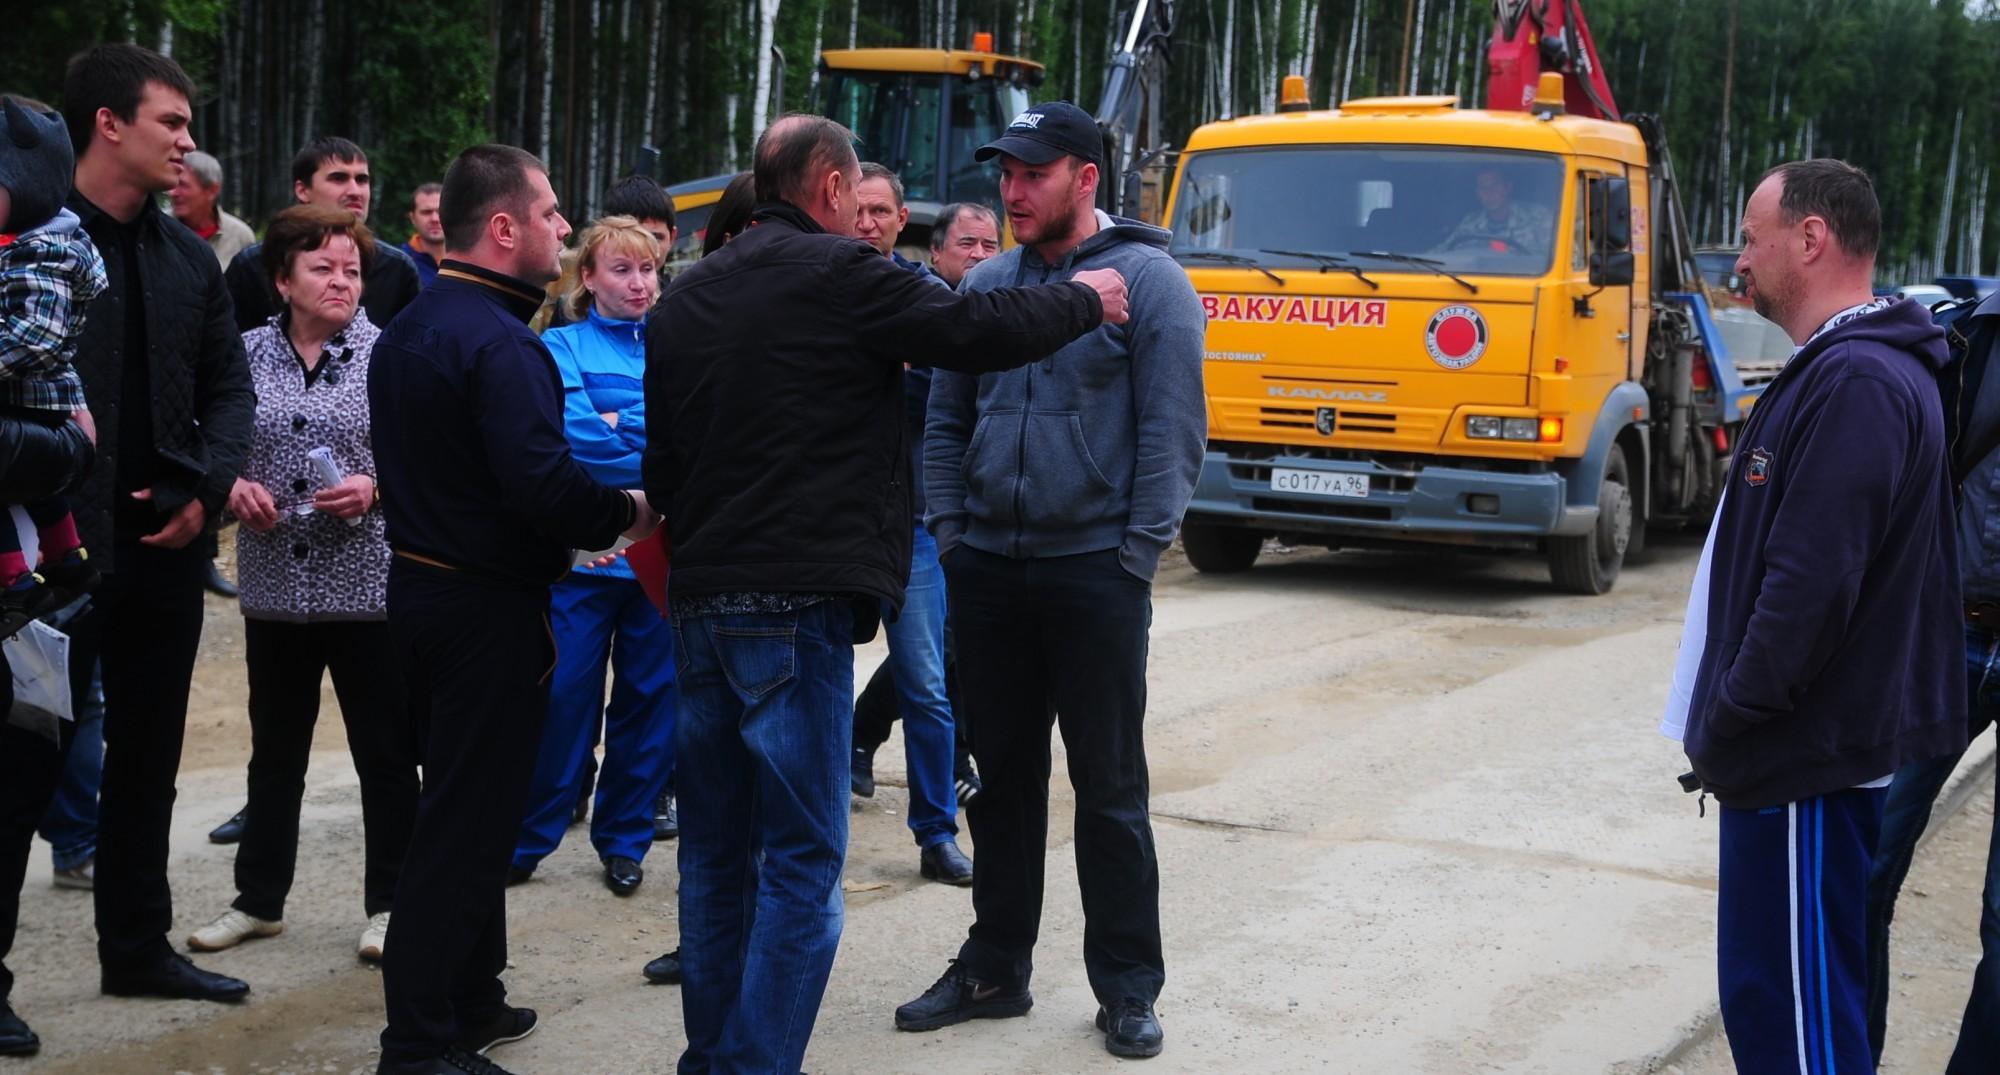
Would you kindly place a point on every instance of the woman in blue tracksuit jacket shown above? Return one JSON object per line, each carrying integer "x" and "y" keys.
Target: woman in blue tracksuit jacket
{"x": 601, "y": 613}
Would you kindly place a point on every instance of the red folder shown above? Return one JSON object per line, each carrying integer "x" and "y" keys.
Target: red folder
{"x": 649, "y": 560}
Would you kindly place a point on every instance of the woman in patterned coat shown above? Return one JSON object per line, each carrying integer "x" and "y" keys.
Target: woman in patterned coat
{"x": 313, "y": 567}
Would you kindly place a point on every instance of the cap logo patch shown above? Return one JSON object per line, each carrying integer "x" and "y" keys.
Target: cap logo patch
{"x": 1029, "y": 120}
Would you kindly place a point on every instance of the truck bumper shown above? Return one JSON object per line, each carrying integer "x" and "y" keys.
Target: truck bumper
{"x": 1439, "y": 502}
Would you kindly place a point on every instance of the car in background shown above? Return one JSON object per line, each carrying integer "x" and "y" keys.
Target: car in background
{"x": 1718, "y": 267}
{"x": 1927, "y": 294}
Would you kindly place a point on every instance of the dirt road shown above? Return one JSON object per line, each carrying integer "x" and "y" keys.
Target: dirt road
{"x": 1412, "y": 810}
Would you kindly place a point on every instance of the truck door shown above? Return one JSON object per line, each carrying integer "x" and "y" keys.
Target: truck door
{"x": 1601, "y": 295}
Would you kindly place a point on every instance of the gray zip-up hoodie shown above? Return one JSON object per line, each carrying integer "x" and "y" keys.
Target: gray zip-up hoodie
{"x": 1095, "y": 447}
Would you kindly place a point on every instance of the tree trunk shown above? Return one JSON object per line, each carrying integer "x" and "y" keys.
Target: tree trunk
{"x": 1950, "y": 192}
{"x": 767, "y": 21}
{"x": 1229, "y": 60}
{"x": 1728, "y": 90}
{"x": 1353, "y": 42}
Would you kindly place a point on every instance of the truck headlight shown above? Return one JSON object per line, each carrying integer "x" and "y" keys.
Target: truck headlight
{"x": 1490, "y": 427}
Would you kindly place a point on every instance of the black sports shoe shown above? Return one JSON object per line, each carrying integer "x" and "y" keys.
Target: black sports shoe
{"x": 959, "y": 996}
{"x": 965, "y": 780}
{"x": 665, "y": 970}
{"x": 503, "y": 1026}
{"x": 861, "y": 777}
{"x": 229, "y": 831}
{"x": 456, "y": 1061}
{"x": 1131, "y": 1029}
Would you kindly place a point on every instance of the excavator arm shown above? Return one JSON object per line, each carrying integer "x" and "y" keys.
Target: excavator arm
{"x": 1532, "y": 36}
{"x": 1128, "y": 114}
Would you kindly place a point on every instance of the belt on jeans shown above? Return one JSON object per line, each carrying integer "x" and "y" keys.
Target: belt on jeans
{"x": 1984, "y": 614}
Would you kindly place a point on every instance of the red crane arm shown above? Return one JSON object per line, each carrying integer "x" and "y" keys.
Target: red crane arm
{"x": 1532, "y": 36}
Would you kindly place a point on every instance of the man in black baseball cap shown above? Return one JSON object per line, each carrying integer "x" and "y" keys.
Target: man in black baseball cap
{"x": 1047, "y": 132}
{"x": 1049, "y": 532}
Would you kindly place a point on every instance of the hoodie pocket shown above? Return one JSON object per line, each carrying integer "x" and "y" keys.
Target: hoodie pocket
{"x": 1064, "y": 486}
{"x": 992, "y": 466}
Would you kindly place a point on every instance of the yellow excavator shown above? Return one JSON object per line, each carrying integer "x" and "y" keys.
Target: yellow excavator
{"x": 922, "y": 112}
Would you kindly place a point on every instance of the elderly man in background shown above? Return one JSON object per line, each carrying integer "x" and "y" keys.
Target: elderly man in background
{"x": 966, "y": 233}
{"x": 196, "y": 198}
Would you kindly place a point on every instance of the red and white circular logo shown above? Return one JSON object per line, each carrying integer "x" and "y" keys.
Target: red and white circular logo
{"x": 1456, "y": 337}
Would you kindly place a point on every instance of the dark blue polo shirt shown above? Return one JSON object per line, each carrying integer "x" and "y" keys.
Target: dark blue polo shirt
{"x": 466, "y": 413}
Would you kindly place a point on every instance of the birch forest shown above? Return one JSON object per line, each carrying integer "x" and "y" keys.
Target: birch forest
{"x": 1906, "y": 88}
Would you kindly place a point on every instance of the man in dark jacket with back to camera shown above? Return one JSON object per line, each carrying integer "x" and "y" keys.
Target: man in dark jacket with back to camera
{"x": 1822, "y": 650}
{"x": 484, "y": 503}
{"x": 783, "y": 473}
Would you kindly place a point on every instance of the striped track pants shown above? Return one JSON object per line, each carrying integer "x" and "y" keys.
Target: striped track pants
{"x": 1791, "y": 962}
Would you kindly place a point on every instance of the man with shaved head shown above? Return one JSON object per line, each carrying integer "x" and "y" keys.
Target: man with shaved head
{"x": 783, "y": 475}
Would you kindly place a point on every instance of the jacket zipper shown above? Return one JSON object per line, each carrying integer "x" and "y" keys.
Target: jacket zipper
{"x": 1021, "y": 450}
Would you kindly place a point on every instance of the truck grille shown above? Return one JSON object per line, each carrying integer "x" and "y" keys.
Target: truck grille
{"x": 1345, "y": 421}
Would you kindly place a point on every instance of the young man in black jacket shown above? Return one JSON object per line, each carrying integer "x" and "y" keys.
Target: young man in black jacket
{"x": 775, "y": 368}
{"x": 1823, "y": 640}
{"x": 484, "y": 504}
{"x": 164, "y": 373}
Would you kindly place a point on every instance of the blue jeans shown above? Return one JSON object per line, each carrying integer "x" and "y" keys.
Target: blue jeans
{"x": 916, "y": 663}
{"x": 1911, "y": 794}
{"x": 766, "y": 725}
{"x": 596, "y": 618}
{"x": 70, "y": 826}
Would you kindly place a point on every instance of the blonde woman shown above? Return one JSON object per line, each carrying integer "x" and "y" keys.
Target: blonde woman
{"x": 600, "y": 613}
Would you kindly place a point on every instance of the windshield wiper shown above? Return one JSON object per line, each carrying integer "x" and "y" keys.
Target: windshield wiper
{"x": 1233, "y": 259}
{"x": 1432, "y": 264}
{"x": 1327, "y": 263}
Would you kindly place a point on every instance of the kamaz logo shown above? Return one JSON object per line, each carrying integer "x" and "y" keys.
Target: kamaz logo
{"x": 1340, "y": 395}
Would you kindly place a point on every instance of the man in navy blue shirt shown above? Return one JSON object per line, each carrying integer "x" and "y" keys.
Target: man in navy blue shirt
{"x": 483, "y": 504}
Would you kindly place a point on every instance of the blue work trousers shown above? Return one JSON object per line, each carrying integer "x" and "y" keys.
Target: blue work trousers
{"x": 765, "y": 729}
{"x": 600, "y": 618}
{"x": 1911, "y": 794}
{"x": 916, "y": 664}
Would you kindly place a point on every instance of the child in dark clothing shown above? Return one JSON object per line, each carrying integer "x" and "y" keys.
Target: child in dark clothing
{"x": 49, "y": 272}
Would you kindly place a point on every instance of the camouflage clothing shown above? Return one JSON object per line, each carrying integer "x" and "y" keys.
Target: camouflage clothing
{"x": 1527, "y": 229}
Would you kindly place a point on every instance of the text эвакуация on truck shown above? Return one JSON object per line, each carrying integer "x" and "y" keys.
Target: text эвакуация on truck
{"x": 1473, "y": 328}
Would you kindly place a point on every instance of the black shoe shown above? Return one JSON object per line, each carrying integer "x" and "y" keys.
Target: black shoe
{"x": 73, "y": 576}
{"x": 958, "y": 997}
{"x": 1131, "y": 1029}
{"x": 943, "y": 861}
{"x": 622, "y": 875}
{"x": 170, "y": 975}
{"x": 215, "y": 583}
{"x": 455, "y": 1061}
{"x": 665, "y": 970}
{"x": 519, "y": 874}
{"x": 861, "y": 775}
{"x": 965, "y": 780}
{"x": 15, "y": 1037}
{"x": 505, "y": 1025}
{"x": 666, "y": 817}
{"x": 229, "y": 831}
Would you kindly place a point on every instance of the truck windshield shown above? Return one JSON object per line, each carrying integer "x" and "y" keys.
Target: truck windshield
{"x": 1463, "y": 210}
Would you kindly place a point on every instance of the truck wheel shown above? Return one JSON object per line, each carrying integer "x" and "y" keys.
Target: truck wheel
{"x": 1589, "y": 563}
{"x": 1220, "y": 550}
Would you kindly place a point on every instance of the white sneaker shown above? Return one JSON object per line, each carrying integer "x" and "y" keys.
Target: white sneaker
{"x": 231, "y": 929}
{"x": 374, "y": 937}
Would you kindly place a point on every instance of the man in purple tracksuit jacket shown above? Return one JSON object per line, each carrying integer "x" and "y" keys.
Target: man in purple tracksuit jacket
{"x": 1829, "y": 654}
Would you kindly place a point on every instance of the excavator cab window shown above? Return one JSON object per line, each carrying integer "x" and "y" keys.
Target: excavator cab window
{"x": 926, "y": 127}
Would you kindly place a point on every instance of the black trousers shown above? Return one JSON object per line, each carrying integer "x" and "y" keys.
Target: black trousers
{"x": 144, "y": 626}
{"x": 286, "y": 662}
{"x": 30, "y": 769}
{"x": 476, "y": 661}
{"x": 1058, "y": 641}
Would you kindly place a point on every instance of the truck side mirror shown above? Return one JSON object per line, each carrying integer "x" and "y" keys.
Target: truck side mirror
{"x": 1611, "y": 269}
{"x": 1611, "y": 213}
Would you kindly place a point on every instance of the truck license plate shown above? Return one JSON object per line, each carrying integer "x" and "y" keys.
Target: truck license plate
{"x": 1319, "y": 483}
